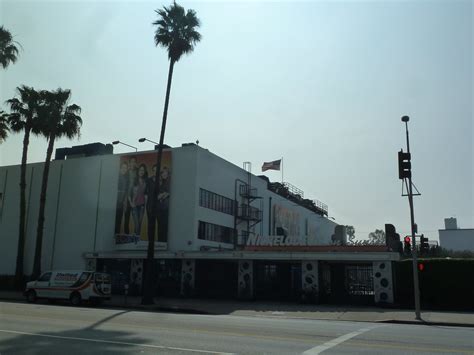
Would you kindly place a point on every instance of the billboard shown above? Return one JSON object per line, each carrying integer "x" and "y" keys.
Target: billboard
{"x": 135, "y": 221}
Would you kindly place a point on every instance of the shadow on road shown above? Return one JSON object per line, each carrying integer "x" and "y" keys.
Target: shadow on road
{"x": 105, "y": 320}
{"x": 89, "y": 339}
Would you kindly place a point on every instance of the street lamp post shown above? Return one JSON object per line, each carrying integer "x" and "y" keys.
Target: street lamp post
{"x": 141, "y": 140}
{"x": 416, "y": 284}
{"x": 128, "y": 145}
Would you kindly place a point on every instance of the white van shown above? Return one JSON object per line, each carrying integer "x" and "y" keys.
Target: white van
{"x": 75, "y": 286}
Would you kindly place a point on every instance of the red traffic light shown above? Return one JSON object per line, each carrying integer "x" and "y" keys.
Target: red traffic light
{"x": 407, "y": 239}
{"x": 421, "y": 267}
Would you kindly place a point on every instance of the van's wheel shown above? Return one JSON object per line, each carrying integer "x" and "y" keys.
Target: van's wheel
{"x": 75, "y": 299}
{"x": 31, "y": 296}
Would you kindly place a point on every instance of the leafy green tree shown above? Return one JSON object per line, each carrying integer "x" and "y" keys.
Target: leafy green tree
{"x": 177, "y": 32}
{"x": 59, "y": 119}
{"x": 23, "y": 118}
{"x": 377, "y": 237}
{"x": 4, "y": 128}
{"x": 350, "y": 231}
{"x": 8, "y": 48}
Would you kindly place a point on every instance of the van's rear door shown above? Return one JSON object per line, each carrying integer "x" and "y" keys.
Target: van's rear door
{"x": 102, "y": 283}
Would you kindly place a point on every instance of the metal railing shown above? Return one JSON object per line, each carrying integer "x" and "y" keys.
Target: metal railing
{"x": 293, "y": 189}
{"x": 248, "y": 191}
{"x": 249, "y": 213}
{"x": 321, "y": 206}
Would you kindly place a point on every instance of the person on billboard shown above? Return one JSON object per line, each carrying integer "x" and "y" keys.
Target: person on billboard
{"x": 122, "y": 200}
{"x": 137, "y": 198}
{"x": 132, "y": 174}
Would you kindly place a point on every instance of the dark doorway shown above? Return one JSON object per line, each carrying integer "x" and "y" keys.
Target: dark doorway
{"x": 359, "y": 283}
{"x": 168, "y": 277}
{"x": 216, "y": 278}
{"x": 341, "y": 283}
{"x": 278, "y": 281}
{"x": 338, "y": 286}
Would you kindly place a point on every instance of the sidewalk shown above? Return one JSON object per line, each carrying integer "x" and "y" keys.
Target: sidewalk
{"x": 283, "y": 310}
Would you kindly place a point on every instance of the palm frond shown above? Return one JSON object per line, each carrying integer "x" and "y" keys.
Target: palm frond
{"x": 15, "y": 105}
{"x": 71, "y": 126}
{"x": 4, "y": 126}
{"x": 176, "y": 30}
{"x": 57, "y": 118}
{"x": 23, "y": 109}
{"x": 73, "y": 109}
{"x": 8, "y": 49}
{"x": 16, "y": 123}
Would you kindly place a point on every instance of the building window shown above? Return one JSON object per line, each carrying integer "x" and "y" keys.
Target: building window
{"x": 215, "y": 233}
{"x": 216, "y": 202}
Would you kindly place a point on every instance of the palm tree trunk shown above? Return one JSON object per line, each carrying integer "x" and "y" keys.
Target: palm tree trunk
{"x": 21, "y": 229}
{"x": 148, "y": 279}
{"x": 44, "y": 187}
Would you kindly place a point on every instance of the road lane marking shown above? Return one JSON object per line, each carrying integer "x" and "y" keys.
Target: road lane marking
{"x": 115, "y": 342}
{"x": 332, "y": 343}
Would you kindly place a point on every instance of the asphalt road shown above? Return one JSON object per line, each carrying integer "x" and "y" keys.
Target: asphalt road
{"x": 49, "y": 329}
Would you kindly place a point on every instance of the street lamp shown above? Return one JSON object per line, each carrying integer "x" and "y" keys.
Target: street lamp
{"x": 141, "y": 140}
{"x": 409, "y": 185}
{"x": 128, "y": 145}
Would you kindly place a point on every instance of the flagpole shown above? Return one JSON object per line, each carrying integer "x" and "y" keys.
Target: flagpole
{"x": 282, "y": 170}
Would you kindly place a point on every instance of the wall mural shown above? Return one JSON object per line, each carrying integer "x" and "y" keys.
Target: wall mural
{"x": 285, "y": 221}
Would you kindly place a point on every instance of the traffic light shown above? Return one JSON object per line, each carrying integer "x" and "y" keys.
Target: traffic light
{"x": 421, "y": 266}
{"x": 404, "y": 165}
{"x": 424, "y": 246}
{"x": 407, "y": 245}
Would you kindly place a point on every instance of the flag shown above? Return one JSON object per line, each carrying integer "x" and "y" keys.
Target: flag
{"x": 272, "y": 165}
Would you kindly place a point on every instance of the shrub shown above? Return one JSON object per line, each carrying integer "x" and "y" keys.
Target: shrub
{"x": 445, "y": 284}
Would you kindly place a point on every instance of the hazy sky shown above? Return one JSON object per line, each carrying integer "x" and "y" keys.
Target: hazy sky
{"x": 322, "y": 84}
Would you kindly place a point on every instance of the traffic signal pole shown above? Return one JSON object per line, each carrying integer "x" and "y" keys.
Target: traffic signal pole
{"x": 416, "y": 284}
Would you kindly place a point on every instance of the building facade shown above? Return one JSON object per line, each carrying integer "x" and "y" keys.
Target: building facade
{"x": 220, "y": 231}
{"x": 454, "y": 238}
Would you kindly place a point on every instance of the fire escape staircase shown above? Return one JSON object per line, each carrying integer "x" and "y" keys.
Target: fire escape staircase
{"x": 246, "y": 212}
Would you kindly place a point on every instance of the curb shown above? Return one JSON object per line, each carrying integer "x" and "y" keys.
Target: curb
{"x": 427, "y": 323}
{"x": 158, "y": 308}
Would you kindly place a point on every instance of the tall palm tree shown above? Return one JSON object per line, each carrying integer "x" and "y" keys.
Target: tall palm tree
{"x": 4, "y": 128}
{"x": 59, "y": 120}
{"x": 23, "y": 117}
{"x": 8, "y": 48}
{"x": 177, "y": 32}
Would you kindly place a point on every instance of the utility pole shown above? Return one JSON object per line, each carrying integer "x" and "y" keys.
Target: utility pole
{"x": 405, "y": 174}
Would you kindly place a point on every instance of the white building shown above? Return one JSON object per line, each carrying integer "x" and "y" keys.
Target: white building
{"x": 229, "y": 232}
{"x": 454, "y": 238}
